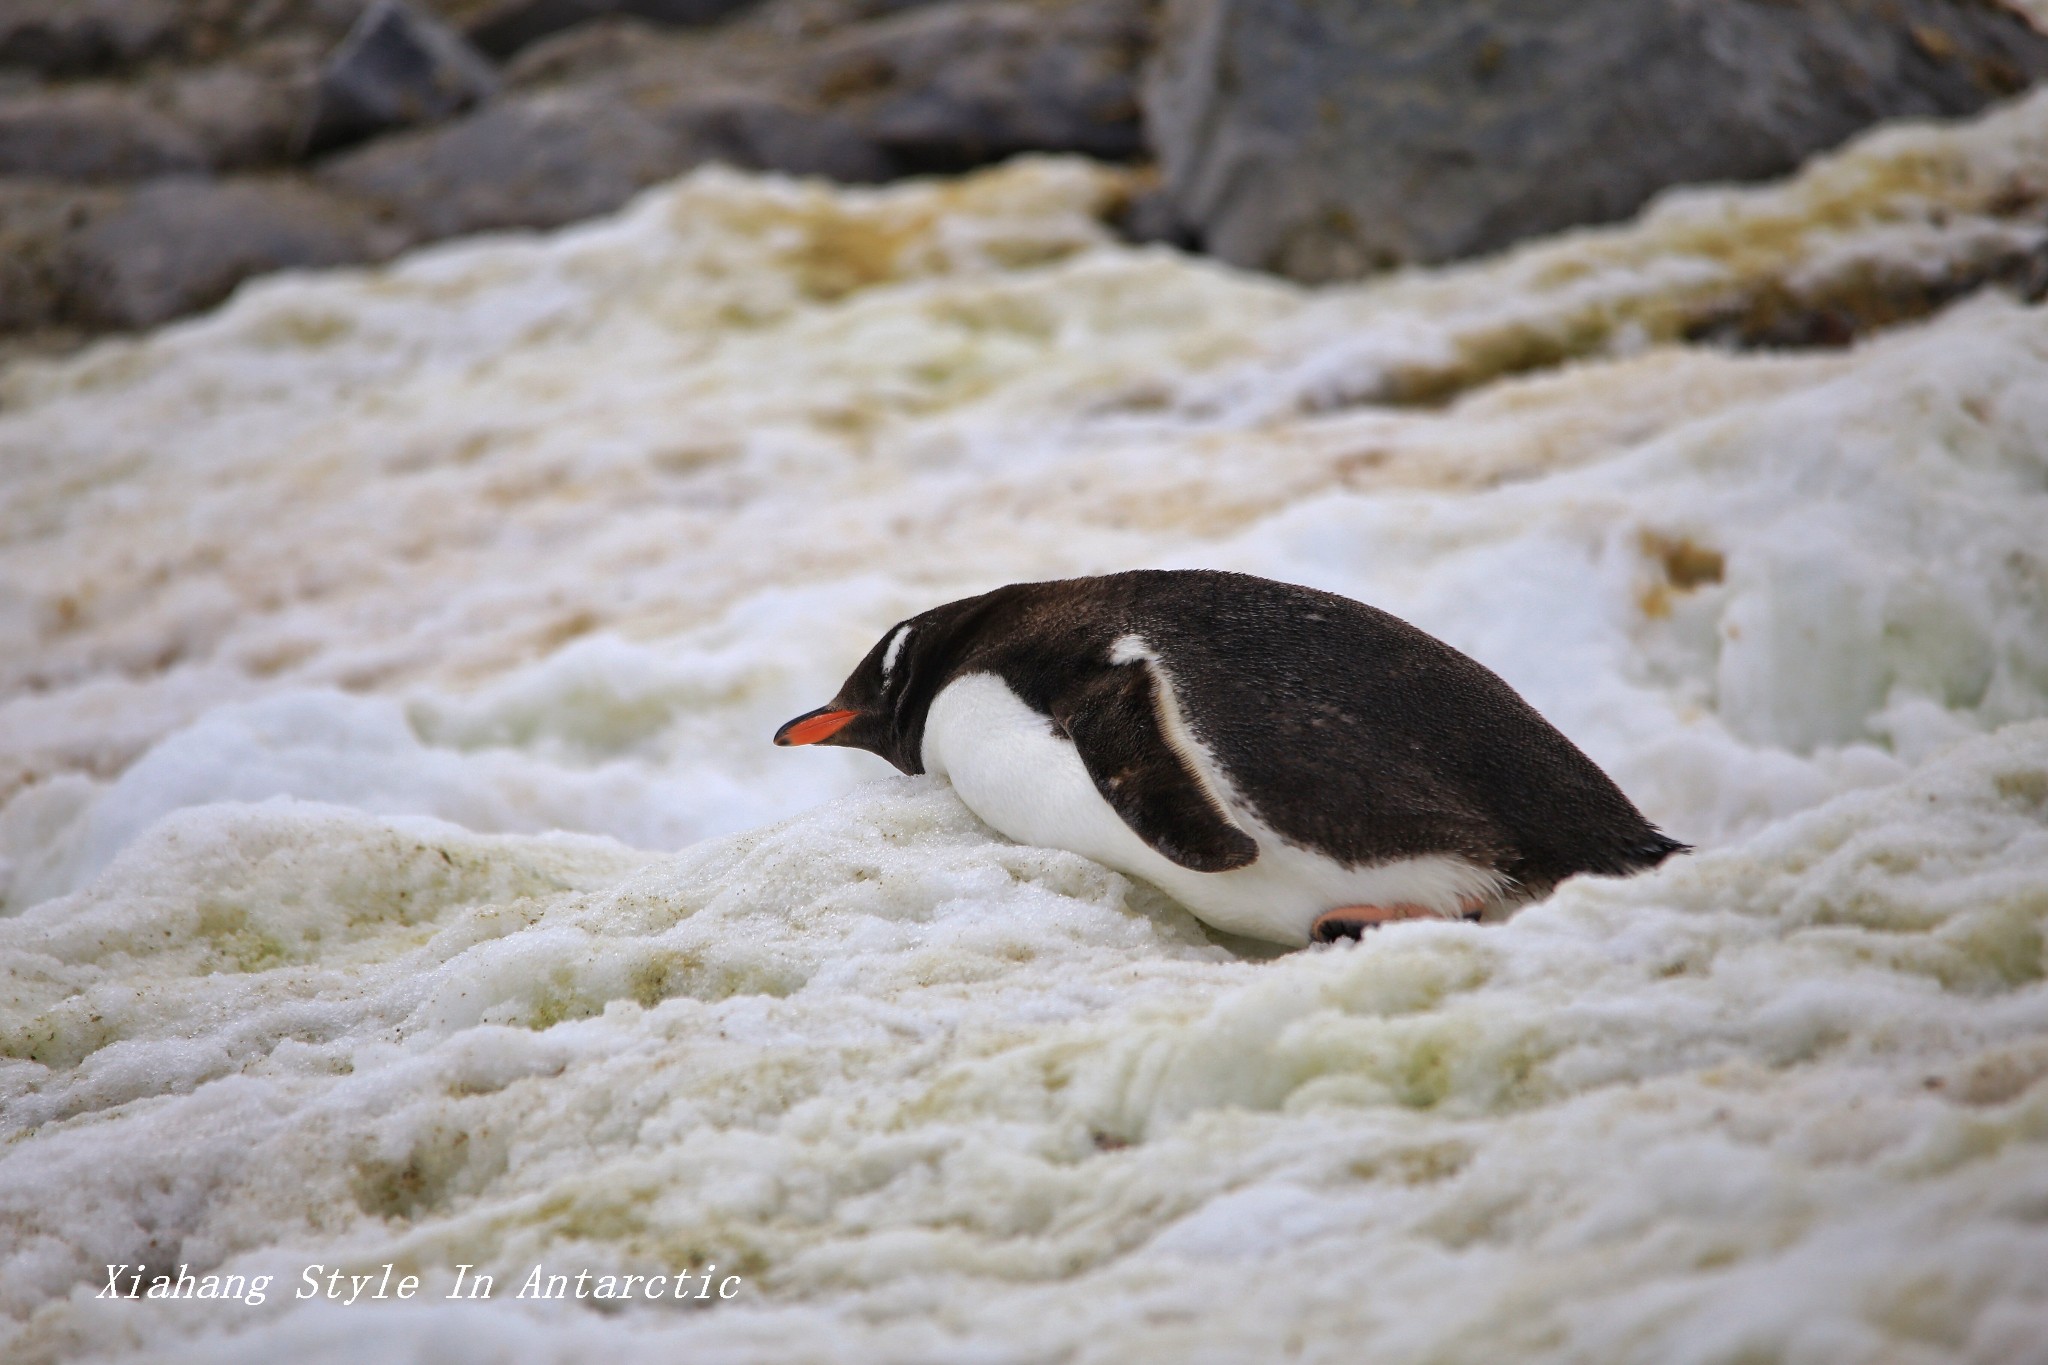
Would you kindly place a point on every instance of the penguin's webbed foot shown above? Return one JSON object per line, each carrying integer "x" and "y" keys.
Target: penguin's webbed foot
{"x": 1351, "y": 921}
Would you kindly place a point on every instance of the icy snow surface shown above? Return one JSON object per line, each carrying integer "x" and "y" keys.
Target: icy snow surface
{"x": 398, "y": 870}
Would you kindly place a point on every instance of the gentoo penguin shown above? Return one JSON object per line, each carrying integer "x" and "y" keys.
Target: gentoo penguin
{"x": 1289, "y": 764}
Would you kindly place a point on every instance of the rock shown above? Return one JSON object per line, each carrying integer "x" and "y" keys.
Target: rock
{"x": 551, "y": 157}
{"x": 98, "y": 258}
{"x": 853, "y": 90}
{"x": 71, "y": 38}
{"x": 76, "y": 37}
{"x": 603, "y": 48}
{"x": 761, "y": 132}
{"x": 953, "y": 86}
{"x": 617, "y": 106}
{"x": 248, "y": 111}
{"x": 540, "y": 160}
{"x": 178, "y": 245}
{"x": 396, "y": 69}
{"x": 251, "y": 111}
{"x": 38, "y": 268}
{"x": 1326, "y": 141}
{"x": 506, "y": 27}
{"x": 92, "y": 132}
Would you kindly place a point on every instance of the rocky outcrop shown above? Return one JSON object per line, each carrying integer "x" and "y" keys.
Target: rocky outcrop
{"x": 526, "y": 162}
{"x": 155, "y": 152}
{"x": 135, "y": 257}
{"x": 174, "y": 246}
{"x": 396, "y": 69}
{"x": 503, "y": 27}
{"x": 77, "y": 37}
{"x": 951, "y": 86}
{"x": 594, "y": 116}
{"x": 64, "y": 39}
{"x": 217, "y": 117}
{"x": 1328, "y": 141}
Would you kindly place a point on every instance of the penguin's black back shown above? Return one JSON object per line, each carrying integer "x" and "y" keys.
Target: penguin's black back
{"x": 1346, "y": 729}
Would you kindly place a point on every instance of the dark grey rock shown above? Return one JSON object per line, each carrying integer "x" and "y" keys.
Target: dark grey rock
{"x": 506, "y": 27}
{"x": 225, "y": 115}
{"x": 761, "y": 132}
{"x": 72, "y": 38}
{"x": 77, "y": 37}
{"x": 92, "y": 132}
{"x": 853, "y": 90}
{"x": 396, "y": 69}
{"x": 1328, "y": 140}
{"x": 602, "y": 49}
{"x": 178, "y": 245}
{"x": 99, "y": 258}
{"x": 39, "y": 221}
{"x": 949, "y": 87}
{"x": 552, "y": 157}
{"x": 539, "y": 160}
{"x": 250, "y": 111}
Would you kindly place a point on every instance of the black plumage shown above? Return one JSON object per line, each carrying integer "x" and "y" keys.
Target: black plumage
{"x": 1343, "y": 728}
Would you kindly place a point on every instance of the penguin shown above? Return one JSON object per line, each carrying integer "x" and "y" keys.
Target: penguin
{"x": 1289, "y": 764}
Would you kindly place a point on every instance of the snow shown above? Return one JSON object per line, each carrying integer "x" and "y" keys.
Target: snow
{"x": 398, "y": 870}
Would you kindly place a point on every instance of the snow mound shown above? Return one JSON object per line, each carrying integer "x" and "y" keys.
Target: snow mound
{"x": 397, "y": 869}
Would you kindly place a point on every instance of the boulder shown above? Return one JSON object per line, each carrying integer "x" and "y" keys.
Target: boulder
{"x": 65, "y": 39}
{"x": 177, "y": 245}
{"x": 509, "y": 25}
{"x": 396, "y": 69}
{"x": 77, "y": 37}
{"x": 1325, "y": 141}
{"x": 948, "y": 87}
{"x": 250, "y": 111}
{"x": 540, "y": 160}
{"x": 758, "y": 131}
{"x": 555, "y": 156}
{"x": 597, "y": 115}
{"x": 92, "y": 132}
{"x": 245, "y": 111}
{"x": 39, "y": 222}
{"x": 851, "y": 90}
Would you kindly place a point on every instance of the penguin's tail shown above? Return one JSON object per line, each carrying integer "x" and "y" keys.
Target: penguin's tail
{"x": 1623, "y": 853}
{"x": 1654, "y": 850}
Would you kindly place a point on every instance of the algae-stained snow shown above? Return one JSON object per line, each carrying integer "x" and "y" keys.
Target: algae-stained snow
{"x": 397, "y": 869}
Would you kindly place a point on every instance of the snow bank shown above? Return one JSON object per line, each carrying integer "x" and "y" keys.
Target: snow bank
{"x": 370, "y": 649}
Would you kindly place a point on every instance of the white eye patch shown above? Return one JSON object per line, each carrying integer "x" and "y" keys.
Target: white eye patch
{"x": 895, "y": 649}
{"x": 1130, "y": 649}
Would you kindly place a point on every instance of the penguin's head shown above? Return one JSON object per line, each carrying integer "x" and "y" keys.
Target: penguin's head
{"x": 881, "y": 706}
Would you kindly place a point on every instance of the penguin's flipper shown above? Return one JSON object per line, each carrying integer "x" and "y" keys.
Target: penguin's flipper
{"x": 1114, "y": 721}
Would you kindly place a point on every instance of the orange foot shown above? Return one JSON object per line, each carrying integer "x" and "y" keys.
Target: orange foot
{"x": 1350, "y": 921}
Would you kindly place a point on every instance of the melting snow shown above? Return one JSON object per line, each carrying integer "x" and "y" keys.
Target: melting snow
{"x": 399, "y": 870}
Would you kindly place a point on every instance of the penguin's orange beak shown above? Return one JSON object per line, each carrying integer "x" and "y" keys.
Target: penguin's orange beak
{"x": 813, "y": 726}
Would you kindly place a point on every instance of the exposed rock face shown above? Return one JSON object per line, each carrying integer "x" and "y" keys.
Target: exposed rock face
{"x": 1328, "y": 140}
{"x": 72, "y": 37}
{"x": 38, "y": 224}
{"x": 506, "y": 26}
{"x": 155, "y": 152}
{"x": 126, "y": 258}
{"x": 596, "y": 115}
{"x": 220, "y": 116}
{"x": 177, "y": 245}
{"x": 92, "y": 133}
{"x": 539, "y": 161}
{"x": 951, "y": 86}
{"x": 397, "y": 68}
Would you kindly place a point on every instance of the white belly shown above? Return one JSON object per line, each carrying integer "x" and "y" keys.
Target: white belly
{"x": 1010, "y": 769}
